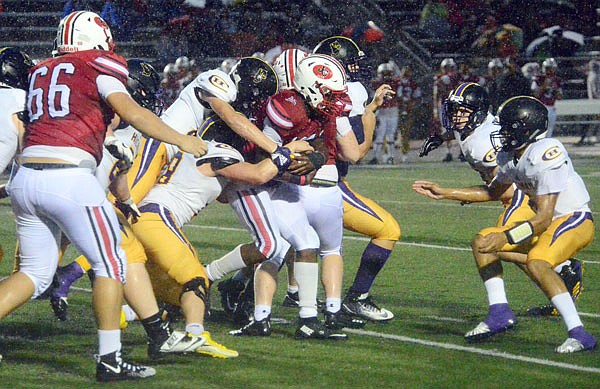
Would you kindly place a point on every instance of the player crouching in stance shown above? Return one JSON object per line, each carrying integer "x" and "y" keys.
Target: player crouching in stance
{"x": 562, "y": 224}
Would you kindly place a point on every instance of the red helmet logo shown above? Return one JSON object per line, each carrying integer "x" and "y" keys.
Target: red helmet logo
{"x": 99, "y": 21}
{"x": 322, "y": 72}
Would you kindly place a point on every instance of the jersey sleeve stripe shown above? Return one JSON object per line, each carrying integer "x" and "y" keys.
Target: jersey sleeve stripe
{"x": 106, "y": 63}
{"x": 276, "y": 115}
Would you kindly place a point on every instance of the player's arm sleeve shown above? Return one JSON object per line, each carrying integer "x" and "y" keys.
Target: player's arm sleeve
{"x": 146, "y": 168}
{"x": 108, "y": 85}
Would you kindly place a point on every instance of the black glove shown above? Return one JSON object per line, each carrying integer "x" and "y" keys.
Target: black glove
{"x": 281, "y": 157}
{"x": 431, "y": 143}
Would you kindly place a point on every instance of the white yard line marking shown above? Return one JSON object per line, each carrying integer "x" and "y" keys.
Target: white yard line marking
{"x": 475, "y": 350}
{"x": 364, "y": 239}
{"x": 451, "y": 346}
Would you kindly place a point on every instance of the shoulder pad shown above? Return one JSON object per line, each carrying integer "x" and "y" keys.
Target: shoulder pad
{"x": 109, "y": 63}
{"x": 547, "y": 153}
{"x": 218, "y": 84}
{"x": 286, "y": 110}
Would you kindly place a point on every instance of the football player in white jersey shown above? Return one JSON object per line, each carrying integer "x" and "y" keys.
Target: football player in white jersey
{"x": 561, "y": 226}
{"x": 184, "y": 188}
{"x": 465, "y": 114}
{"x": 14, "y": 66}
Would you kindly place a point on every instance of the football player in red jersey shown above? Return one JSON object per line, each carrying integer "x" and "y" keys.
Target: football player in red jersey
{"x": 547, "y": 87}
{"x": 443, "y": 83}
{"x": 71, "y": 100}
{"x": 313, "y": 214}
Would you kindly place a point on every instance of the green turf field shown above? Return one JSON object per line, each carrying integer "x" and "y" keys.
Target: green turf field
{"x": 430, "y": 283}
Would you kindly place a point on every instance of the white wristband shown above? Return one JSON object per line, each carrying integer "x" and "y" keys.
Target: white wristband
{"x": 519, "y": 233}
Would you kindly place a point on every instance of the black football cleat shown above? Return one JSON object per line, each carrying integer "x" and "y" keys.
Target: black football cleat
{"x": 312, "y": 328}
{"x": 255, "y": 328}
{"x": 341, "y": 319}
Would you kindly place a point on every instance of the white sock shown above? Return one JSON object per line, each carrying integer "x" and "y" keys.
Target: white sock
{"x": 292, "y": 288}
{"x": 307, "y": 276}
{"x": 333, "y": 304}
{"x": 228, "y": 263}
{"x": 109, "y": 341}
{"x": 261, "y": 312}
{"x": 565, "y": 305}
{"x": 195, "y": 329}
{"x": 495, "y": 291}
{"x": 560, "y": 266}
{"x": 129, "y": 313}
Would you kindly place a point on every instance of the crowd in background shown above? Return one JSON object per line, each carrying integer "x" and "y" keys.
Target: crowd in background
{"x": 517, "y": 39}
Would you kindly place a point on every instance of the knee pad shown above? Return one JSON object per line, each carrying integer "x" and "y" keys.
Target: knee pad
{"x": 198, "y": 286}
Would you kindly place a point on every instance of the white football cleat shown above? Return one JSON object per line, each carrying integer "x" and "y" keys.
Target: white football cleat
{"x": 182, "y": 342}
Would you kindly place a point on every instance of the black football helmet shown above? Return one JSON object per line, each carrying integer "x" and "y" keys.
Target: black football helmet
{"x": 255, "y": 81}
{"x": 14, "y": 68}
{"x": 349, "y": 54}
{"x": 143, "y": 83}
{"x": 465, "y": 108}
{"x": 522, "y": 120}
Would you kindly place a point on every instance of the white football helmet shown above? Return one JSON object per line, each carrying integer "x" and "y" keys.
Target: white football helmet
{"x": 227, "y": 64}
{"x": 385, "y": 68}
{"x": 321, "y": 79}
{"x": 285, "y": 67}
{"x": 448, "y": 64}
{"x": 530, "y": 69}
{"x": 549, "y": 64}
{"x": 82, "y": 30}
{"x": 182, "y": 63}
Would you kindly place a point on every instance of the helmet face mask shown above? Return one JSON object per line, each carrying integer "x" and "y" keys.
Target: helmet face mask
{"x": 82, "y": 30}
{"x": 321, "y": 80}
{"x": 14, "y": 68}
{"x": 523, "y": 120}
{"x": 143, "y": 83}
{"x": 349, "y": 54}
{"x": 465, "y": 109}
{"x": 255, "y": 81}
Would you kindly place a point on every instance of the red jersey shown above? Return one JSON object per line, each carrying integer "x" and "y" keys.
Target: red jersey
{"x": 547, "y": 88}
{"x": 65, "y": 107}
{"x": 286, "y": 110}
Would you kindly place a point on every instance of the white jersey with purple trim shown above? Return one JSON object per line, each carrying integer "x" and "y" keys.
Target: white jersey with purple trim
{"x": 189, "y": 111}
{"x": 107, "y": 169}
{"x": 478, "y": 150}
{"x": 12, "y": 101}
{"x": 183, "y": 190}
{"x": 545, "y": 168}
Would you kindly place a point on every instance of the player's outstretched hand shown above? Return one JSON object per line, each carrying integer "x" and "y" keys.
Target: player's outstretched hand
{"x": 193, "y": 145}
{"x": 428, "y": 189}
{"x": 381, "y": 94}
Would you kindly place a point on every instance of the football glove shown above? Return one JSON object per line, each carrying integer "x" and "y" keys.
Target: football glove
{"x": 119, "y": 150}
{"x": 281, "y": 157}
{"x": 431, "y": 143}
{"x": 129, "y": 209}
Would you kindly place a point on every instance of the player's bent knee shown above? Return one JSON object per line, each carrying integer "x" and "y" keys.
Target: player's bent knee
{"x": 197, "y": 285}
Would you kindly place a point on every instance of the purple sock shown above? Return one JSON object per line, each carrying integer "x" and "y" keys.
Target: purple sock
{"x": 372, "y": 261}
